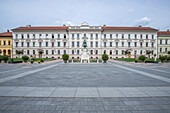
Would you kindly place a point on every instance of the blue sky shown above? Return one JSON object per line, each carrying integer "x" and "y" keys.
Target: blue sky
{"x": 150, "y": 13}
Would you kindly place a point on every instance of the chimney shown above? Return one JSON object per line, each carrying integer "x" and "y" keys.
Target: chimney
{"x": 167, "y": 30}
{"x": 140, "y": 26}
{"x": 28, "y": 26}
{"x": 104, "y": 25}
{"x": 64, "y": 25}
{"x": 8, "y": 31}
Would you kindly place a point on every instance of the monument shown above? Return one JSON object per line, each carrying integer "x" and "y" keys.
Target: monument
{"x": 85, "y": 55}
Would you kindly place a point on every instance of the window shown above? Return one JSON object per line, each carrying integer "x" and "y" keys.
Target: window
{"x": 122, "y": 52}
{"x": 91, "y": 52}
{"x": 152, "y": 36}
{"x": 78, "y": 44}
{"x": 135, "y": 36}
{"x": 141, "y": 52}
{"x": 64, "y": 51}
{"x": 16, "y": 44}
{"x": 128, "y": 36}
{"x": 33, "y": 52}
{"x": 96, "y": 44}
{"x": 146, "y": 44}
{"x": 33, "y": 44}
{"x": 141, "y": 36}
{"x": 104, "y": 36}
{"x": 91, "y": 35}
{"x": 72, "y": 44}
{"x": 52, "y": 44}
{"x": 46, "y": 35}
{"x": 4, "y": 42}
{"x": 9, "y": 42}
{"x": 110, "y": 52}
{"x": 140, "y": 44}
{"x": 122, "y": 44}
{"x": 52, "y": 52}
{"x": 104, "y": 51}
{"x": 64, "y": 35}
{"x": 110, "y": 44}
{"x": 116, "y": 36}
{"x": 116, "y": 52}
{"x": 72, "y": 52}
{"x": 33, "y": 35}
{"x": 72, "y": 35}
{"x": 46, "y": 44}
{"x": 40, "y": 35}
{"x": 22, "y": 36}
{"x": 91, "y": 44}
{"x": 28, "y": 36}
{"x": 78, "y": 52}
{"x": 116, "y": 44}
{"x": 160, "y": 49}
{"x": 64, "y": 44}
{"x": 84, "y": 35}
{"x": 166, "y": 41}
{"x": 52, "y": 35}
{"x": 28, "y": 52}
{"x": 58, "y": 44}
{"x": 104, "y": 44}
{"x": 0, "y": 42}
{"x": 46, "y": 52}
{"x": 22, "y": 44}
{"x": 146, "y": 36}
{"x": 96, "y": 35}
{"x": 160, "y": 41}
{"x": 58, "y": 35}
{"x": 96, "y": 52}
{"x": 122, "y": 36}
{"x": 28, "y": 44}
{"x": 135, "y": 43}
{"x": 16, "y": 36}
{"x": 58, "y": 52}
{"x": 40, "y": 44}
{"x": 152, "y": 44}
{"x": 111, "y": 36}
{"x": 128, "y": 44}
{"x": 78, "y": 36}
{"x": 165, "y": 49}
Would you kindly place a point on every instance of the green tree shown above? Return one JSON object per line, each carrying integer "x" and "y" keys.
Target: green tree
{"x": 65, "y": 57}
{"x": 105, "y": 57}
{"x": 40, "y": 52}
{"x": 142, "y": 58}
{"x": 148, "y": 52}
{"x": 18, "y": 52}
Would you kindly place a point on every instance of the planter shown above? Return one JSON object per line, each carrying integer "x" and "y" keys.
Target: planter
{"x": 162, "y": 61}
{"x": 5, "y": 61}
{"x": 136, "y": 61}
{"x": 25, "y": 61}
{"x": 0, "y": 61}
{"x": 32, "y": 62}
{"x": 65, "y": 61}
{"x": 105, "y": 61}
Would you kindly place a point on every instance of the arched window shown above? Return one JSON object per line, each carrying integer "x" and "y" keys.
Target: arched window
{"x": 4, "y": 52}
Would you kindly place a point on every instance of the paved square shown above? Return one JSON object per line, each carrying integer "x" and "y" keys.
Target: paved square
{"x": 79, "y": 88}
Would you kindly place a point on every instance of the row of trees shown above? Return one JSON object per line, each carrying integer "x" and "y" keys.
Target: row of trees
{"x": 19, "y": 52}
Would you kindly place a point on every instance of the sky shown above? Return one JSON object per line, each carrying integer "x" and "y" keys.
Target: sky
{"x": 128, "y": 13}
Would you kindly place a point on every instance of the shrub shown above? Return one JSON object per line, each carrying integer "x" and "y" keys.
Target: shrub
{"x": 65, "y": 57}
{"x": 105, "y": 57}
{"x": 25, "y": 58}
{"x": 1, "y": 57}
{"x": 42, "y": 60}
{"x": 162, "y": 58}
{"x": 32, "y": 61}
{"x": 39, "y": 61}
{"x": 5, "y": 58}
{"x": 142, "y": 58}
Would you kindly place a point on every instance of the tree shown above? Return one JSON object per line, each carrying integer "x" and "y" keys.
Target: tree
{"x": 105, "y": 57}
{"x": 142, "y": 58}
{"x": 65, "y": 57}
{"x": 25, "y": 58}
{"x": 162, "y": 58}
{"x": 127, "y": 52}
{"x": 18, "y": 52}
{"x": 148, "y": 52}
{"x": 40, "y": 52}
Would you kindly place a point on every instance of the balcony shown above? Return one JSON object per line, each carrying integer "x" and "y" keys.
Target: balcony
{"x": 84, "y": 38}
{"x": 141, "y": 40}
{"x": 64, "y": 40}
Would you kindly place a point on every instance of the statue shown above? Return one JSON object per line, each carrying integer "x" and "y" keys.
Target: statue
{"x": 84, "y": 44}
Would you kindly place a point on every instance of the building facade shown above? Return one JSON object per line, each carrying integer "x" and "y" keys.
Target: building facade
{"x": 114, "y": 41}
{"x": 163, "y": 42}
{"x": 6, "y": 43}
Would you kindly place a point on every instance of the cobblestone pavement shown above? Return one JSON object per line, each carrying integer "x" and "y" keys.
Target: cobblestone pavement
{"x": 115, "y": 87}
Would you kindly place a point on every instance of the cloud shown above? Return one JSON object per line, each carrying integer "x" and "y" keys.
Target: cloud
{"x": 130, "y": 10}
{"x": 64, "y": 22}
{"x": 143, "y": 21}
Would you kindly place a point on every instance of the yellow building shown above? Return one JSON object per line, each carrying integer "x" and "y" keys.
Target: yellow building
{"x": 6, "y": 43}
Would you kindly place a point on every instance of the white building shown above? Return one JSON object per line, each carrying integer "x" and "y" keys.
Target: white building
{"x": 113, "y": 41}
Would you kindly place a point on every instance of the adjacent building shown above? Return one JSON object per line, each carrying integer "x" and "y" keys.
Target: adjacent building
{"x": 6, "y": 43}
{"x": 163, "y": 42}
{"x": 114, "y": 41}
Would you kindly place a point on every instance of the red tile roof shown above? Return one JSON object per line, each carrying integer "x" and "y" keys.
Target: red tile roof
{"x": 129, "y": 28}
{"x": 163, "y": 32}
{"x": 6, "y": 34}
{"x": 34, "y": 28}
